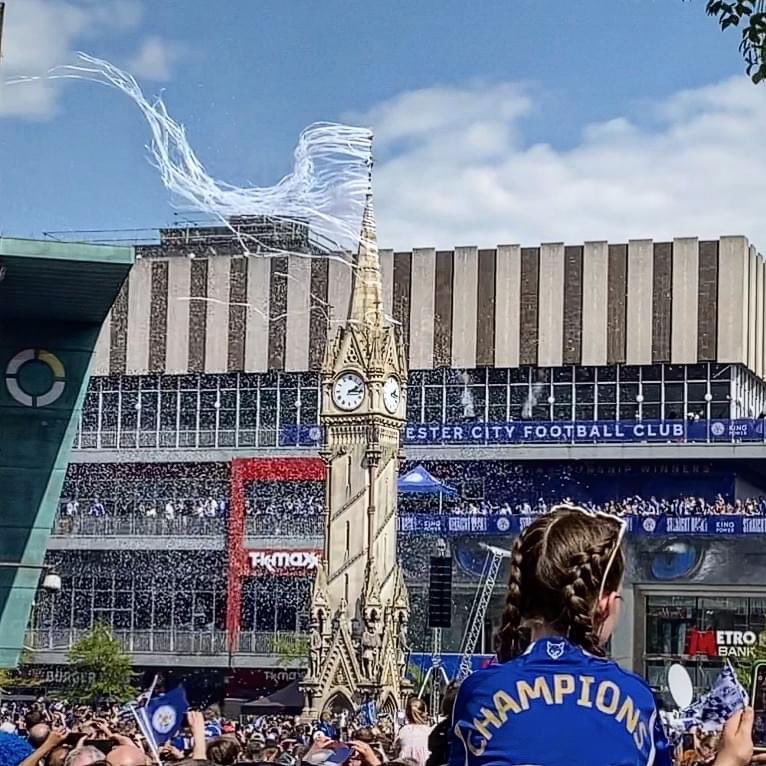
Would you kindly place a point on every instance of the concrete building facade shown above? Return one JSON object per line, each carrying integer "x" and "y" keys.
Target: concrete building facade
{"x": 596, "y": 369}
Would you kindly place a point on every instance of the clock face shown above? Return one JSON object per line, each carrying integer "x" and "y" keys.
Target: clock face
{"x": 348, "y": 391}
{"x": 391, "y": 395}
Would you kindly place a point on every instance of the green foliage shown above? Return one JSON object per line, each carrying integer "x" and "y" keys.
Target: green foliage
{"x": 289, "y": 649}
{"x": 6, "y": 679}
{"x": 103, "y": 666}
{"x": 19, "y": 678}
{"x": 750, "y": 17}
{"x": 416, "y": 675}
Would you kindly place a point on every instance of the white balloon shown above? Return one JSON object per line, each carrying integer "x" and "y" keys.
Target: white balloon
{"x": 327, "y": 188}
{"x": 680, "y": 685}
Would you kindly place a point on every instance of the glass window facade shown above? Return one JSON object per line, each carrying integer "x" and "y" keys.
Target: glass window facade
{"x": 197, "y": 411}
{"x": 273, "y": 409}
{"x": 129, "y": 600}
{"x": 669, "y": 392}
{"x": 671, "y": 622}
{"x": 144, "y": 596}
{"x": 276, "y": 604}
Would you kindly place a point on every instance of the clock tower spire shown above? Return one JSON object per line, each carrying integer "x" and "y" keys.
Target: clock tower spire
{"x": 360, "y": 609}
{"x": 367, "y": 295}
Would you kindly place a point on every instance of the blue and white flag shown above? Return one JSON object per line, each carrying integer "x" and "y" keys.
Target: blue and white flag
{"x": 369, "y": 713}
{"x": 161, "y": 718}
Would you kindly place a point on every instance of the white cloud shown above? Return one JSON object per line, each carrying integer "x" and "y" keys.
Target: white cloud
{"x": 155, "y": 58}
{"x": 454, "y": 168}
{"x": 41, "y": 34}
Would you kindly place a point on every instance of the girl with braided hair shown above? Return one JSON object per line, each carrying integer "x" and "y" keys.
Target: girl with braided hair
{"x": 555, "y": 699}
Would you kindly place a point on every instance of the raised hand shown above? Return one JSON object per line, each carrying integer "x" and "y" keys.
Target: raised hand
{"x": 736, "y": 747}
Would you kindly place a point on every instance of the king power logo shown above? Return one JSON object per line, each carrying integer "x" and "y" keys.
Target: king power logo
{"x": 284, "y": 562}
{"x": 722, "y": 643}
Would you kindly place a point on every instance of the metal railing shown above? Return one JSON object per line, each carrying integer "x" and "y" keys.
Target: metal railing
{"x": 127, "y": 526}
{"x": 284, "y": 526}
{"x": 184, "y": 526}
{"x": 202, "y": 642}
{"x": 185, "y": 439}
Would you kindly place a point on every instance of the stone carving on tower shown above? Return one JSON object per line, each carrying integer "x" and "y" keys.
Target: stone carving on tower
{"x": 359, "y": 605}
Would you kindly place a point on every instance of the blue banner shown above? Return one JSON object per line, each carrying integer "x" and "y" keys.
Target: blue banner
{"x": 300, "y": 436}
{"x": 584, "y": 432}
{"x": 558, "y": 432}
{"x": 420, "y": 663}
{"x": 462, "y": 525}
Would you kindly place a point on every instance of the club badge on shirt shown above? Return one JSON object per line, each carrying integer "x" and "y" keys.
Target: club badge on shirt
{"x": 555, "y": 650}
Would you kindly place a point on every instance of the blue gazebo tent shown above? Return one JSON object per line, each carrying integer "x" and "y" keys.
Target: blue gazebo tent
{"x": 419, "y": 481}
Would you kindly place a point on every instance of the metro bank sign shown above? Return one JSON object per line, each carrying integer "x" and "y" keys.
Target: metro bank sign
{"x": 295, "y": 563}
{"x": 722, "y": 643}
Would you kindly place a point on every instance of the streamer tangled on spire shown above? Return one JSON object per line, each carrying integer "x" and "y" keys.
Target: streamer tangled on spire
{"x": 326, "y": 190}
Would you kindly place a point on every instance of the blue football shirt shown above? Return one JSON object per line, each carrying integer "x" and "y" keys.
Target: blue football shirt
{"x": 555, "y": 705}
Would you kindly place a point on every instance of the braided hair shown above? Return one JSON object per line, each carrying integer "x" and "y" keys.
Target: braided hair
{"x": 558, "y": 564}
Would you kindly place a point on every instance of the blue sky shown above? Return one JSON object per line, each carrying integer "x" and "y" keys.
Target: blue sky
{"x": 611, "y": 119}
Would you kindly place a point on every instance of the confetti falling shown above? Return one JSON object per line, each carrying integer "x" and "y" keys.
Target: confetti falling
{"x": 326, "y": 190}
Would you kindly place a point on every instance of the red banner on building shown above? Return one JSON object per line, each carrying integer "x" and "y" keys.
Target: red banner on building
{"x": 244, "y": 471}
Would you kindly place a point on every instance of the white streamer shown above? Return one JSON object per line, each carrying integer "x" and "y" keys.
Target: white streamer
{"x": 326, "y": 190}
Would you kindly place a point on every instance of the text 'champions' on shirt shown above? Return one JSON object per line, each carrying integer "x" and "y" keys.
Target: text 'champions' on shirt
{"x": 555, "y": 705}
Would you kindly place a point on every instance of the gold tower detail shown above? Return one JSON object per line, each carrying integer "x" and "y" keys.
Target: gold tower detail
{"x": 359, "y": 605}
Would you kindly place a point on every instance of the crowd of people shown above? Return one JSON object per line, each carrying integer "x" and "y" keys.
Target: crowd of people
{"x": 296, "y": 514}
{"x": 54, "y": 733}
{"x": 276, "y": 510}
{"x": 168, "y": 509}
{"x": 275, "y": 515}
{"x": 553, "y": 698}
{"x": 51, "y": 733}
{"x": 283, "y": 512}
{"x": 629, "y": 506}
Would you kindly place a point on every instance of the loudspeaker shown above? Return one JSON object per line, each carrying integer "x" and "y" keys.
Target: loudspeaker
{"x": 440, "y": 593}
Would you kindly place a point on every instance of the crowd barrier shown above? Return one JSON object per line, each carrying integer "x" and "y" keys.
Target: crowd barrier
{"x": 504, "y": 524}
{"x": 175, "y": 641}
{"x": 141, "y": 526}
{"x": 445, "y": 524}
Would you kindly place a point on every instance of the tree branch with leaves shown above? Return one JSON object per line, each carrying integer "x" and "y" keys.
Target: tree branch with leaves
{"x": 103, "y": 667}
{"x": 749, "y": 16}
{"x": 289, "y": 649}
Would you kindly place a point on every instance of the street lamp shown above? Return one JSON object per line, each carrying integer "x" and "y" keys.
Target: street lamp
{"x": 52, "y": 581}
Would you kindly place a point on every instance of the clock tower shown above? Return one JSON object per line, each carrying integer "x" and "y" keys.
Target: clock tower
{"x": 360, "y": 608}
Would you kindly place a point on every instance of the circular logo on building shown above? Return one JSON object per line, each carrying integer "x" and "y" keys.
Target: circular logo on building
{"x": 35, "y": 377}
{"x": 503, "y": 524}
{"x": 717, "y": 428}
{"x": 164, "y": 719}
{"x": 649, "y": 524}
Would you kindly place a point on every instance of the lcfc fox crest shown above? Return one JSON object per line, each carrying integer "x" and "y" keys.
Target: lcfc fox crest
{"x": 555, "y": 650}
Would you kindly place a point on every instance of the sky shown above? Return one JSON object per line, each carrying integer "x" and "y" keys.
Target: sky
{"x": 499, "y": 122}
